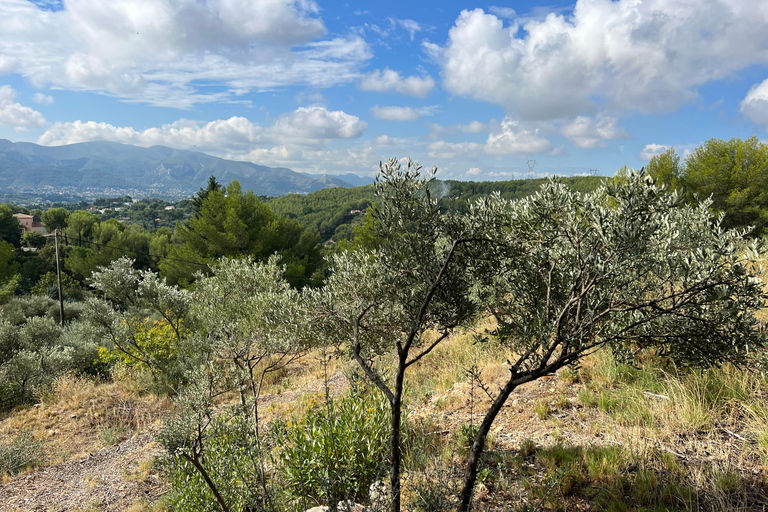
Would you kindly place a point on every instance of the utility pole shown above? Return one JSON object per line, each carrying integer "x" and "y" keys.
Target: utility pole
{"x": 531, "y": 164}
{"x": 58, "y": 275}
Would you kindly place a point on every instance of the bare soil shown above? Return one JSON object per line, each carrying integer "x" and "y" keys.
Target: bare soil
{"x": 110, "y": 479}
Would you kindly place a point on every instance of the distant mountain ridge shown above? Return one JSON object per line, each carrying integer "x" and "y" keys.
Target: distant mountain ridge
{"x": 97, "y": 169}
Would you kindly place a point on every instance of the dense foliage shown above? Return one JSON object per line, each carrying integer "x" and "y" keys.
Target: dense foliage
{"x": 330, "y": 211}
{"x": 733, "y": 173}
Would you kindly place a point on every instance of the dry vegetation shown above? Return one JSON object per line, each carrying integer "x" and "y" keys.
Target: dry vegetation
{"x": 605, "y": 436}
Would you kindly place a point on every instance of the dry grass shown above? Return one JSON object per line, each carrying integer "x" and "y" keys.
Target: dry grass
{"x": 75, "y": 413}
{"x": 601, "y": 436}
{"x": 442, "y": 377}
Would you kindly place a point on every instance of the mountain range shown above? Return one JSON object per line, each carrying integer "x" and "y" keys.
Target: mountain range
{"x": 98, "y": 169}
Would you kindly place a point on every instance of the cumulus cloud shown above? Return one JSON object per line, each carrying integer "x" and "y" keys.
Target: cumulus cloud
{"x": 474, "y": 171}
{"x": 314, "y": 126}
{"x": 755, "y": 104}
{"x": 311, "y": 127}
{"x": 514, "y": 138}
{"x": 157, "y": 51}
{"x": 389, "y": 80}
{"x": 16, "y": 115}
{"x": 590, "y": 132}
{"x": 625, "y": 54}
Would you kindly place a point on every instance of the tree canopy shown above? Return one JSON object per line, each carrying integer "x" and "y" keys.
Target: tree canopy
{"x": 733, "y": 173}
{"x": 232, "y": 223}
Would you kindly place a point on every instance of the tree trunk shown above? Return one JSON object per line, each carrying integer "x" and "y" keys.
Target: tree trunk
{"x": 473, "y": 460}
{"x": 215, "y": 490}
{"x": 394, "y": 441}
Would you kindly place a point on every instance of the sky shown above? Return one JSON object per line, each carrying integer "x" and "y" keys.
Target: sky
{"x": 483, "y": 91}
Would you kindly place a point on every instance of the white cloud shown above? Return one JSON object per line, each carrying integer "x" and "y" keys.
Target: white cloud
{"x": 390, "y": 80}
{"x": 274, "y": 155}
{"x": 652, "y": 150}
{"x": 387, "y": 141}
{"x": 7, "y": 64}
{"x": 410, "y": 26}
{"x": 755, "y": 103}
{"x": 16, "y": 115}
{"x": 184, "y": 133}
{"x": 393, "y": 113}
{"x": 474, "y": 171}
{"x": 310, "y": 97}
{"x": 590, "y": 132}
{"x": 280, "y": 21}
{"x": 514, "y": 138}
{"x": 625, "y": 54}
{"x": 160, "y": 51}
{"x": 311, "y": 127}
{"x": 43, "y": 98}
{"x": 503, "y": 12}
{"x": 474, "y": 127}
{"x": 443, "y": 149}
{"x": 314, "y": 126}
{"x": 393, "y": 28}
{"x": 359, "y": 160}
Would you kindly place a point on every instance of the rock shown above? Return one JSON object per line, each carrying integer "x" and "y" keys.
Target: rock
{"x": 380, "y": 496}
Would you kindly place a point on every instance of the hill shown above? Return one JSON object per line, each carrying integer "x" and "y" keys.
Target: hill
{"x": 332, "y": 211}
{"x": 93, "y": 169}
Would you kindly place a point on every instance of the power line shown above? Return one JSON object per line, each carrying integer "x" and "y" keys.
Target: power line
{"x": 531, "y": 164}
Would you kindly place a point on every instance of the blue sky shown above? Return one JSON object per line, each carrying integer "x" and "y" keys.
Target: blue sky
{"x": 476, "y": 89}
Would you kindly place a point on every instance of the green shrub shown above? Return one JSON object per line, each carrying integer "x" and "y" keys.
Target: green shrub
{"x": 34, "y": 354}
{"x": 467, "y": 434}
{"x": 48, "y": 286}
{"x": 20, "y": 309}
{"x": 231, "y": 459}
{"x": 338, "y": 449}
{"x": 24, "y": 452}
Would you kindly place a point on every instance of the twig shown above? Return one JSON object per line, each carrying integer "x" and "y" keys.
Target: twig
{"x": 669, "y": 450}
{"x": 733, "y": 434}
{"x": 654, "y": 395}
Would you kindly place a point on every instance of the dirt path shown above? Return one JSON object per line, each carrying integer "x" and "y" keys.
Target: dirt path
{"x": 113, "y": 478}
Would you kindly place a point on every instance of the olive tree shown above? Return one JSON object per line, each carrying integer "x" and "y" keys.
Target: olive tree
{"x": 250, "y": 321}
{"x": 124, "y": 315}
{"x": 401, "y": 299}
{"x": 627, "y": 267}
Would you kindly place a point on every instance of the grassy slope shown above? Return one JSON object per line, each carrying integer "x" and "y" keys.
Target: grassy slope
{"x": 605, "y": 437}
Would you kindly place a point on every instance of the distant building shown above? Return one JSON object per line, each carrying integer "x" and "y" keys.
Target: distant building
{"x": 27, "y": 223}
{"x": 169, "y": 207}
